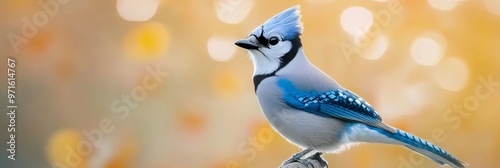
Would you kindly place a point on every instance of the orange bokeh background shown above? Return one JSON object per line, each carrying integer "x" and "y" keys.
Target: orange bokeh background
{"x": 81, "y": 62}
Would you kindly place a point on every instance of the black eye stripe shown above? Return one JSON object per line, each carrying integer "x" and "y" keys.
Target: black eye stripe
{"x": 261, "y": 39}
{"x": 266, "y": 42}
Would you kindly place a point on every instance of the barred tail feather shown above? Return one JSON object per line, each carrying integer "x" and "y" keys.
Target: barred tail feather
{"x": 427, "y": 149}
{"x": 366, "y": 133}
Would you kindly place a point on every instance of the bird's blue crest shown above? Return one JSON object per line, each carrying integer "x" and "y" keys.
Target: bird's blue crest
{"x": 286, "y": 23}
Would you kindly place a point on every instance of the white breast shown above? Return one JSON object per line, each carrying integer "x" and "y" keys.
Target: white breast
{"x": 303, "y": 129}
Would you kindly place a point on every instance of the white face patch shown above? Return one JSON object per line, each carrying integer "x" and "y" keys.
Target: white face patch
{"x": 270, "y": 38}
{"x": 267, "y": 60}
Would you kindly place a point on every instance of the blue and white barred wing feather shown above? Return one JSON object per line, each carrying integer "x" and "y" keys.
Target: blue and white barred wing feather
{"x": 338, "y": 103}
{"x": 343, "y": 104}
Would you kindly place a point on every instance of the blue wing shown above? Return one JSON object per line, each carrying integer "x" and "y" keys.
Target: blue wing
{"x": 338, "y": 103}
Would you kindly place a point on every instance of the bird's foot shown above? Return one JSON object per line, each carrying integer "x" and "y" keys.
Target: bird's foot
{"x": 296, "y": 158}
{"x": 306, "y": 162}
{"x": 317, "y": 157}
{"x": 311, "y": 161}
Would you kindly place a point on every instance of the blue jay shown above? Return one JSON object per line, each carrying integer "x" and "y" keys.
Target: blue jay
{"x": 309, "y": 108}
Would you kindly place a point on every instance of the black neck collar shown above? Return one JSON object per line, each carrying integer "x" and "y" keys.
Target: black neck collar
{"x": 285, "y": 59}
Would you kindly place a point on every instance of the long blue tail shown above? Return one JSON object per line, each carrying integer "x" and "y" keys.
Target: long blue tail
{"x": 423, "y": 147}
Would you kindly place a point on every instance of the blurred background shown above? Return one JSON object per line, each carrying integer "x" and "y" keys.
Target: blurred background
{"x": 150, "y": 83}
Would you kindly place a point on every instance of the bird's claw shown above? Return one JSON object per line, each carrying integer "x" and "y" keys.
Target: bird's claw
{"x": 317, "y": 156}
{"x": 308, "y": 162}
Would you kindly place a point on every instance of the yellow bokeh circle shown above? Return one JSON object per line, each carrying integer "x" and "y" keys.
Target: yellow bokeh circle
{"x": 61, "y": 147}
{"x": 146, "y": 41}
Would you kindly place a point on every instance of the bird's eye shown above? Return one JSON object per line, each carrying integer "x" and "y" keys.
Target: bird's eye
{"x": 274, "y": 40}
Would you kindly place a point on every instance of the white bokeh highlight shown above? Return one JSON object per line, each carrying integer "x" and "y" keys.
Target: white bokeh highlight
{"x": 377, "y": 48}
{"x": 221, "y": 48}
{"x": 443, "y": 4}
{"x": 493, "y": 6}
{"x": 232, "y": 11}
{"x": 428, "y": 49}
{"x": 356, "y": 20}
{"x": 451, "y": 74}
{"x": 137, "y": 10}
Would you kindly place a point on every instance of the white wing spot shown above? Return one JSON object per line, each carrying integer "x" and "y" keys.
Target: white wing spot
{"x": 357, "y": 101}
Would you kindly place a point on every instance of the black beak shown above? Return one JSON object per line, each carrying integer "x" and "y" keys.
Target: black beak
{"x": 246, "y": 44}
